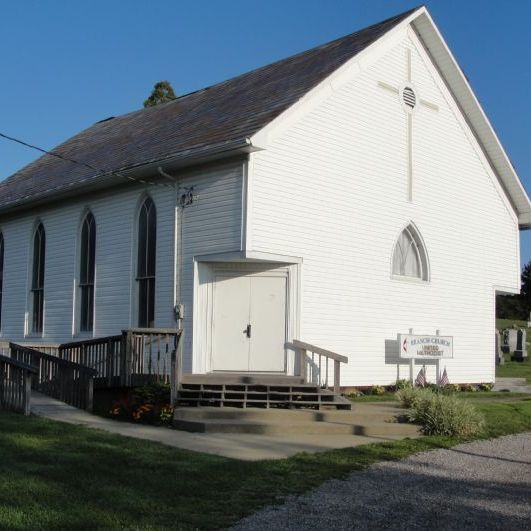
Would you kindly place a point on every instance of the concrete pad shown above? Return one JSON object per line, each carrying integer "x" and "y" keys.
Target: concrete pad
{"x": 248, "y": 447}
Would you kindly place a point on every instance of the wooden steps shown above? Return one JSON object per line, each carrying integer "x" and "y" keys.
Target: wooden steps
{"x": 289, "y": 393}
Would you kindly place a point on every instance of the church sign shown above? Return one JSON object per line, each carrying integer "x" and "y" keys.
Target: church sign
{"x": 413, "y": 346}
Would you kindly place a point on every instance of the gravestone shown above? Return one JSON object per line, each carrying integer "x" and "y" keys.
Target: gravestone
{"x": 529, "y": 321}
{"x": 520, "y": 352}
{"x": 509, "y": 339}
{"x": 500, "y": 359}
{"x": 512, "y": 339}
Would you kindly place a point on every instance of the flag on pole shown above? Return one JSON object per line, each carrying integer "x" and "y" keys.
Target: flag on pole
{"x": 420, "y": 380}
{"x": 444, "y": 379}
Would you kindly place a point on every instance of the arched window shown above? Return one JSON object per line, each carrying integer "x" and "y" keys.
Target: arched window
{"x": 145, "y": 275}
{"x": 37, "y": 280}
{"x": 87, "y": 265}
{"x": 410, "y": 258}
{"x": 1, "y": 273}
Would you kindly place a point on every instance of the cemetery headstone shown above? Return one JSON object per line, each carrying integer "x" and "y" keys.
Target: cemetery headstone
{"x": 529, "y": 321}
{"x": 513, "y": 339}
{"x": 500, "y": 359}
{"x": 520, "y": 352}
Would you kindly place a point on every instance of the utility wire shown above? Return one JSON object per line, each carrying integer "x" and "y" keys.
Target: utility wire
{"x": 86, "y": 165}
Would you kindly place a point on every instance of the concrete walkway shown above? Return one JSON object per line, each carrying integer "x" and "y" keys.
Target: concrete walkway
{"x": 514, "y": 385}
{"x": 248, "y": 447}
{"x": 479, "y": 485}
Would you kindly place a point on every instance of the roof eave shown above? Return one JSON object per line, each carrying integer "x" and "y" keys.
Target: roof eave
{"x": 472, "y": 110}
{"x": 176, "y": 161}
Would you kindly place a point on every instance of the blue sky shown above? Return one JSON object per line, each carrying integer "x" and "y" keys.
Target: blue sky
{"x": 67, "y": 64}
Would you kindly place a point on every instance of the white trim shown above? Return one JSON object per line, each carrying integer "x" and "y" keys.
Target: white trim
{"x": 204, "y": 281}
{"x": 248, "y": 256}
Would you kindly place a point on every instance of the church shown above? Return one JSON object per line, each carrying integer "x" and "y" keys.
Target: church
{"x": 353, "y": 199}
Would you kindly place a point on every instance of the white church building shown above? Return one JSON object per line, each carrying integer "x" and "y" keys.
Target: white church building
{"x": 340, "y": 197}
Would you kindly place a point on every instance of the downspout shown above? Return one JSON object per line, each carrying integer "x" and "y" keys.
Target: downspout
{"x": 178, "y": 307}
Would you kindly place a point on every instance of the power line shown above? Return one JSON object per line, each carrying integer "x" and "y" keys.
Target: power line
{"x": 85, "y": 164}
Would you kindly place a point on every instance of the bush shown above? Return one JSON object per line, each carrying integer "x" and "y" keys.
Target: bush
{"x": 377, "y": 390}
{"x": 407, "y": 396}
{"x": 403, "y": 384}
{"x": 149, "y": 404}
{"x": 486, "y": 386}
{"x": 440, "y": 414}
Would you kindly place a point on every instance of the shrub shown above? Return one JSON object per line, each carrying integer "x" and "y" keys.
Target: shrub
{"x": 486, "y": 386}
{"x": 377, "y": 390}
{"x": 403, "y": 384}
{"x": 147, "y": 404}
{"x": 407, "y": 396}
{"x": 440, "y": 414}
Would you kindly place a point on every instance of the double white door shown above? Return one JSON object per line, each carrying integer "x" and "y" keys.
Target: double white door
{"x": 249, "y": 323}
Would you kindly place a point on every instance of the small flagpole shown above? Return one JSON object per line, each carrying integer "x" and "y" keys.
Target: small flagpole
{"x": 437, "y": 365}
{"x": 411, "y": 365}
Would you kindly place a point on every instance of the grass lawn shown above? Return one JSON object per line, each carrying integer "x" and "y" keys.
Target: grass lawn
{"x": 55, "y": 475}
{"x": 514, "y": 369}
{"x": 508, "y": 323}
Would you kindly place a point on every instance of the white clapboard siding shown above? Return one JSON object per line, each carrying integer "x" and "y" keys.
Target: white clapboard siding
{"x": 211, "y": 224}
{"x": 332, "y": 188}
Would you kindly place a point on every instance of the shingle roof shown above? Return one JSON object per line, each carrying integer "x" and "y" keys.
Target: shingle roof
{"x": 224, "y": 113}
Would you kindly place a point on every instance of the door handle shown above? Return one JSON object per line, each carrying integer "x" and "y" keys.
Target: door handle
{"x": 247, "y": 331}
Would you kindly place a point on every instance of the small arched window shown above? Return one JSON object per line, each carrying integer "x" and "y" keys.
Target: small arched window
{"x": 37, "y": 280}
{"x": 87, "y": 265}
{"x": 145, "y": 275}
{"x": 409, "y": 257}
{"x": 1, "y": 274}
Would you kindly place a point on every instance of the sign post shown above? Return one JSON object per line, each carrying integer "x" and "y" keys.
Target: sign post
{"x": 425, "y": 347}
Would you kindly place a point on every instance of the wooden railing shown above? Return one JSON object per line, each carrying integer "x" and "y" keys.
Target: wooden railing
{"x": 15, "y": 385}
{"x": 314, "y": 364}
{"x": 65, "y": 380}
{"x": 135, "y": 357}
{"x": 102, "y": 354}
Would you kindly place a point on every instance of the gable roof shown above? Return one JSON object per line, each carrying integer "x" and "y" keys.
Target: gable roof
{"x": 218, "y": 116}
{"x": 230, "y": 116}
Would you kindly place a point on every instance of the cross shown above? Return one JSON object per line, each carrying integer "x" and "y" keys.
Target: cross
{"x": 408, "y": 98}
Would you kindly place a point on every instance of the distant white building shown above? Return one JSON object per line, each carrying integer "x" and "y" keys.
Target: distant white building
{"x": 340, "y": 197}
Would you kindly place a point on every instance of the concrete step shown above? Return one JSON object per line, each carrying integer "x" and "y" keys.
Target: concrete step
{"x": 369, "y": 429}
{"x": 371, "y": 422}
{"x": 516, "y": 385}
{"x": 382, "y": 414}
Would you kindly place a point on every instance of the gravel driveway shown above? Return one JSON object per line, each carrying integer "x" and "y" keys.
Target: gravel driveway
{"x": 479, "y": 485}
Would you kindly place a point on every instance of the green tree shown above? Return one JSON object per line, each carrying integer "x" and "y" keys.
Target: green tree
{"x": 161, "y": 93}
{"x": 516, "y": 306}
{"x": 525, "y": 293}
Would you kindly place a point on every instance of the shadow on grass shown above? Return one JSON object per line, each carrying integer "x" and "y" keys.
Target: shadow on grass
{"x": 59, "y": 475}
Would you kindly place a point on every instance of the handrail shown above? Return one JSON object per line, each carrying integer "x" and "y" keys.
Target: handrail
{"x": 19, "y": 364}
{"x": 15, "y": 384}
{"x": 59, "y": 361}
{"x": 65, "y": 380}
{"x": 319, "y": 350}
{"x": 311, "y": 370}
{"x": 93, "y": 341}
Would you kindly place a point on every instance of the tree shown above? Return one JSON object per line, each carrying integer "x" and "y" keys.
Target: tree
{"x": 162, "y": 92}
{"x": 516, "y": 306}
{"x": 525, "y": 293}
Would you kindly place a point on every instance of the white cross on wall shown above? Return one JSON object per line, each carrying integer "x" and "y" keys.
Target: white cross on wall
{"x": 408, "y": 98}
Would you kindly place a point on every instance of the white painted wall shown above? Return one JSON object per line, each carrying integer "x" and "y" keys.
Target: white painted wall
{"x": 211, "y": 224}
{"x": 332, "y": 187}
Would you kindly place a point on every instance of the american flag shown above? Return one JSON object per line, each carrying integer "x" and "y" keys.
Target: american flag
{"x": 444, "y": 379}
{"x": 420, "y": 380}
